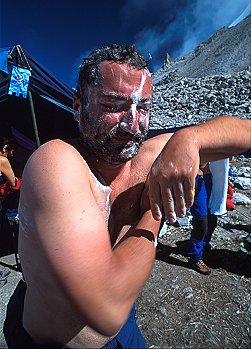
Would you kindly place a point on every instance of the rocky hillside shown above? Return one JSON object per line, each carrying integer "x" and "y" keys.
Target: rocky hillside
{"x": 212, "y": 79}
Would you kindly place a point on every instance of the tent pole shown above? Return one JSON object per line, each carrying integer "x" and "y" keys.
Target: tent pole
{"x": 34, "y": 119}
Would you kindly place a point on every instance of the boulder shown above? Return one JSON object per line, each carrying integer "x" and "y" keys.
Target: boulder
{"x": 241, "y": 199}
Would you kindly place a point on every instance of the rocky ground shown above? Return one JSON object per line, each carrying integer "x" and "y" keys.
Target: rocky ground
{"x": 181, "y": 101}
{"x": 7, "y": 263}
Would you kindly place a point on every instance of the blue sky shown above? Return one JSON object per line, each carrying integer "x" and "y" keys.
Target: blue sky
{"x": 59, "y": 33}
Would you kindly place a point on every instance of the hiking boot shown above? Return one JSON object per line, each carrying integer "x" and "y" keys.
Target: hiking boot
{"x": 201, "y": 267}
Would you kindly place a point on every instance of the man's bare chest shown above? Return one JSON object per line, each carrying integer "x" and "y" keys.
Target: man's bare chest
{"x": 125, "y": 211}
{"x": 120, "y": 203}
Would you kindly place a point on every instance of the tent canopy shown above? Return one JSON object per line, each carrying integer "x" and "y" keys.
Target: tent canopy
{"x": 52, "y": 100}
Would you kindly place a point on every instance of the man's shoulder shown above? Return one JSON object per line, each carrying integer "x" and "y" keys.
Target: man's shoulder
{"x": 56, "y": 158}
{"x": 155, "y": 144}
{"x": 56, "y": 149}
{"x": 55, "y": 144}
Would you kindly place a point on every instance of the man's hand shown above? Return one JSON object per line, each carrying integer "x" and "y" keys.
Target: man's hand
{"x": 172, "y": 178}
{"x": 173, "y": 173}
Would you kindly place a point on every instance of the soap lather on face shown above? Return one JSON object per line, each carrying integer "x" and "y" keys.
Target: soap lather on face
{"x": 115, "y": 122}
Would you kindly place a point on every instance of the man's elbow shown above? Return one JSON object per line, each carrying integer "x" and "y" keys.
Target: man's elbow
{"x": 109, "y": 323}
{"x": 110, "y": 327}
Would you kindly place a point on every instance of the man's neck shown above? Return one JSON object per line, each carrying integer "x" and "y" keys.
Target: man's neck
{"x": 110, "y": 174}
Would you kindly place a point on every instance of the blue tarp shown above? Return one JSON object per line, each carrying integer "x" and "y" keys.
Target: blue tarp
{"x": 52, "y": 99}
{"x": 4, "y": 60}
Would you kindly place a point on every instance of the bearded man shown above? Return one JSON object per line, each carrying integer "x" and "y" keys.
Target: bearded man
{"x": 90, "y": 210}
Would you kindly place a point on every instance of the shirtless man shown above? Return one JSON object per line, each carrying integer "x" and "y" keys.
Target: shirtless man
{"x": 90, "y": 210}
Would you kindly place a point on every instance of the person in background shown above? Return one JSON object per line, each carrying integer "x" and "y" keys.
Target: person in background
{"x": 7, "y": 181}
{"x": 7, "y": 150}
{"x": 90, "y": 211}
{"x": 209, "y": 203}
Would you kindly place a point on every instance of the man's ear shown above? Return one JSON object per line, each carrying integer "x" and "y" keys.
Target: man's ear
{"x": 76, "y": 108}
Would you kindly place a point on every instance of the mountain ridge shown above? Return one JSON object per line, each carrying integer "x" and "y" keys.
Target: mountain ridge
{"x": 224, "y": 52}
{"x": 213, "y": 79}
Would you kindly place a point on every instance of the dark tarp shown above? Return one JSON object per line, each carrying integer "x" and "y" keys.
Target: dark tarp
{"x": 52, "y": 101}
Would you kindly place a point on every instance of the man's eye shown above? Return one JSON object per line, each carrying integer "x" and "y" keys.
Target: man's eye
{"x": 111, "y": 107}
{"x": 144, "y": 108}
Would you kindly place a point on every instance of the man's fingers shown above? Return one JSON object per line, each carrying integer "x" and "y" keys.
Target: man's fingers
{"x": 179, "y": 199}
{"x": 155, "y": 201}
{"x": 168, "y": 203}
{"x": 189, "y": 189}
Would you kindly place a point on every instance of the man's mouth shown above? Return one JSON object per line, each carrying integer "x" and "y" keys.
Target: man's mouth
{"x": 123, "y": 141}
{"x": 124, "y": 135}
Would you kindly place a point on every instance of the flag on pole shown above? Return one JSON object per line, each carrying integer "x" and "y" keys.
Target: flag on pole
{"x": 19, "y": 82}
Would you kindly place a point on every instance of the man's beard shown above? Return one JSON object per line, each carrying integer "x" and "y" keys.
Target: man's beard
{"x": 116, "y": 147}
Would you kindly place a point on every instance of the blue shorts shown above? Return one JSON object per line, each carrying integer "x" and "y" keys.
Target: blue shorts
{"x": 16, "y": 336}
{"x": 129, "y": 336}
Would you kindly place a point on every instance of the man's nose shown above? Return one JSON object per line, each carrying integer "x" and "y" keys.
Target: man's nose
{"x": 130, "y": 120}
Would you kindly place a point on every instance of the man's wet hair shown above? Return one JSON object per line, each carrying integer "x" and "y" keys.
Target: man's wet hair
{"x": 89, "y": 73}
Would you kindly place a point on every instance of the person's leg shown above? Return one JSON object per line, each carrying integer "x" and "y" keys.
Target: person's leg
{"x": 212, "y": 224}
{"x": 199, "y": 221}
{"x": 212, "y": 219}
{"x": 196, "y": 243}
{"x": 200, "y": 228}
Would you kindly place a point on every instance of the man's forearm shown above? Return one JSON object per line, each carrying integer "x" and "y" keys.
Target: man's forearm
{"x": 221, "y": 137}
{"x": 134, "y": 258}
{"x": 125, "y": 275}
{"x": 136, "y": 252}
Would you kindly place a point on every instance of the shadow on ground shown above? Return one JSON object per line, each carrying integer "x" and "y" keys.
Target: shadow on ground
{"x": 242, "y": 227}
{"x": 237, "y": 262}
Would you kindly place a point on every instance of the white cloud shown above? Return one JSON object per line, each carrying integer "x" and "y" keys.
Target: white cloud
{"x": 177, "y": 27}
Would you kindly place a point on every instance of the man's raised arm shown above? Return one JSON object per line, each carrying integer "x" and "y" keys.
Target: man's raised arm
{"x": 172, "y": 177}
